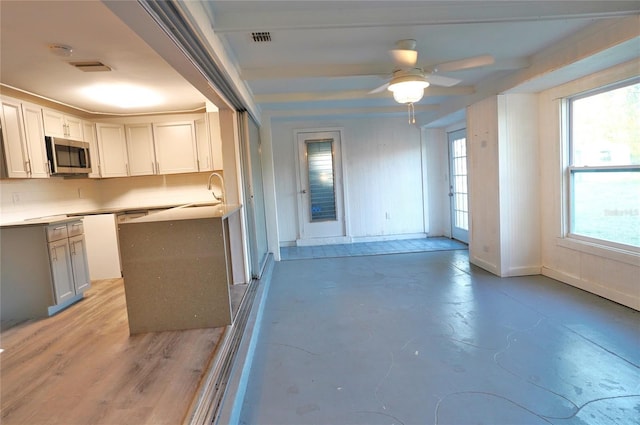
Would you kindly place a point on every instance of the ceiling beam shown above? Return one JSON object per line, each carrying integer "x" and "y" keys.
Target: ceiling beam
{"x": 342, "y": 112}
{"x": 354, "y": 94}
{"x": 353, "y": 70}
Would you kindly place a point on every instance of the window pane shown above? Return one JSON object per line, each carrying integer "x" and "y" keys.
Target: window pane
{"x": 322, "y": 193}
{"x": 606, "y": 205}
{"x": 605, "y": 128}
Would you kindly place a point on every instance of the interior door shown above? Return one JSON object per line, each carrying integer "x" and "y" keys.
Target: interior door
{"x": 458, "y": 188}
{"x": 320, "y": 191}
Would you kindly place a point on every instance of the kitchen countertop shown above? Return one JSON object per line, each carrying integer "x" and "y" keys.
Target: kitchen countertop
{"x": 188, "y": 212}
{"x": 66, "y": 218}
{"x": 117, "y": 210}
{"x": 41, "y": 221}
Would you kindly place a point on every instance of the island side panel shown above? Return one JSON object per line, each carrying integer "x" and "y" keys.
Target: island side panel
{"x": 26, "y": 290}
{"x": 175, "y": 275}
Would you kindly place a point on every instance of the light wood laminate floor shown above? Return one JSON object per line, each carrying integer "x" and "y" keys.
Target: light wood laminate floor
{"x": 82, "y": 367}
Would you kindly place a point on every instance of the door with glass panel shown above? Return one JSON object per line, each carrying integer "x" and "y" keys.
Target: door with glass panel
{"x": 320, "y": 202}
{"x": 458, "y": 192}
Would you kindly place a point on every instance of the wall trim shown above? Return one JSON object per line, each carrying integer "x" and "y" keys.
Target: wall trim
{"x": 602, "y": 291}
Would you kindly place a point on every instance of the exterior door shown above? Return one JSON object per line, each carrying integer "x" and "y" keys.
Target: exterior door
{"x": 254, "y": 193}
{"x": 458, "y": 188}
{"x": 320, "y": 191}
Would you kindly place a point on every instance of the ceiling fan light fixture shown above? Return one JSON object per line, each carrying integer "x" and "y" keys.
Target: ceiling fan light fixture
{"x": 408, "y": 90}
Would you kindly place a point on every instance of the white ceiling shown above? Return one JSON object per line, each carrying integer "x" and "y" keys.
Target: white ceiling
{"x": 95, "y": 34}
{"x": 325, "y": 56}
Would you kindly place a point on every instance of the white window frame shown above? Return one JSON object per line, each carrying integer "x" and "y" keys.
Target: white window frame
{"x": 612, "y": 250}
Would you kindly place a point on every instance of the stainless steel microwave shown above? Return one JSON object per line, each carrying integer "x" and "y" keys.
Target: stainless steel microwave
{"x": 67, "y": 157}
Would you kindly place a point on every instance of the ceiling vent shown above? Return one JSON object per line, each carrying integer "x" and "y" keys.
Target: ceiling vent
{"x": 261, "y": 37}
{"x": 90, "y": 66}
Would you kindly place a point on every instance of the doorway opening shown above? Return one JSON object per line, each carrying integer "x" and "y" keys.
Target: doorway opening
{"x": 458, "y": 186}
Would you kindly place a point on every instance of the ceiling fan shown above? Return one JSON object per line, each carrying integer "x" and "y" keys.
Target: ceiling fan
{"x": 408, "y": 81}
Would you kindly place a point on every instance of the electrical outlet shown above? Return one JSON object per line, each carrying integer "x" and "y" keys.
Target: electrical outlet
{"x": 387, "y": 216}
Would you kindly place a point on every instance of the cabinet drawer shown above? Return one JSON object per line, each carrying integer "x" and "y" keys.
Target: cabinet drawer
{"x": 75, "y": 228}
{"x": 56, "y": 232}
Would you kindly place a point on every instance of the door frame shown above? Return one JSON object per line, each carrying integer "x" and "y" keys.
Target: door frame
{"x": 342, "y": 197}
{"x": 457, "y": 233}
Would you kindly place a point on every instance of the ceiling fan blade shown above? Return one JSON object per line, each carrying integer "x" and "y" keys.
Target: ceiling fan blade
{"x": 379, "y": 89}
{"x": 404, "y": 58}
{"x": 441, "y": 80}
{"x": 473, "y": 62}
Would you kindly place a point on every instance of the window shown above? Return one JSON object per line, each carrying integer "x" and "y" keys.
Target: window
{"x": 321, "y": 180}
{"x": 604, "y": 165}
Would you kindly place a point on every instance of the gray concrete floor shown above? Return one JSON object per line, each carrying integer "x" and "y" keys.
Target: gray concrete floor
{"x": 425, "y": 338}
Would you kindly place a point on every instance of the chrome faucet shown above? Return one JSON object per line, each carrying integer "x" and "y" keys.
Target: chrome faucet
{"x": 221, "y": 197}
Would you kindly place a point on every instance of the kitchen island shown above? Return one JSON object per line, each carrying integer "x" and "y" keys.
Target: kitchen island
{"x": 177, "y": 267}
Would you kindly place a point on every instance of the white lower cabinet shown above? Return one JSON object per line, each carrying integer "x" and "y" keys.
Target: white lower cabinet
{"x": 43, "y": 269}
{"x": 61, "y": 272}
{"x": 68, "y": 255}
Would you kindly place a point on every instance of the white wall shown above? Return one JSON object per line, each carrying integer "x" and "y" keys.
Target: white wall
{"x": 504, "y": 184}
{"x": 610, "y": 273}
{"x": 383, "y": 175}
{"x": 437, "y": 181}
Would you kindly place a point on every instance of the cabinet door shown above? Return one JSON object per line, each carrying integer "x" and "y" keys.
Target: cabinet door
{"x": 113, "y": 150}
{"x": 176, "y": 150}
{"x": 79, "y": 263}
{"x": 73, "y": 128}
{"x": 204, "y": 145}
{"x": 53, "y": 123}
{"x": 142, "y": 159}
{"x": 37, "y": 163}
{"x": 61, "y": 270}
{"x": 57, "y": 124}
{"x": 215, "y": 138}
{"x": 89, "y": 134}
{"x": 15, "y": 152}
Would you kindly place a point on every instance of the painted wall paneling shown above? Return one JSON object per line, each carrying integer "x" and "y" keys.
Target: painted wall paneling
{"x": 382, "y": 164}
{"x": 503, "y": 182}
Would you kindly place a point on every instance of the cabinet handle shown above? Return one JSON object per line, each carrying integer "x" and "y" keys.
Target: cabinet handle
{"x": 157, "y": 168}
{"x": 49, "y": 167}
{"x": 59, "y": 227}
{"x": 27, "y": 166}
{"x": 72, "y": 245}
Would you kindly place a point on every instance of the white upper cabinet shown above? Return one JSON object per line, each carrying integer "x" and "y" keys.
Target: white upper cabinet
{"x": 89, "y": 133}
{"x": 112, "y": 144}
{"x": 176, "y": 150}
{"x": 38, "y": 165}
{"x": 23, "y": 147}
{"x": 209, "y": 142}
{"x": 215, "y": 138}
{"x": 57, "y": 124}
{"x": 204, "y": 145}
{"x": 142, "y": 158}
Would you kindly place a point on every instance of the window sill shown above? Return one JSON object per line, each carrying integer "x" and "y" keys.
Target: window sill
{"x": 611, "y": 253}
